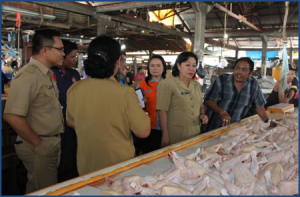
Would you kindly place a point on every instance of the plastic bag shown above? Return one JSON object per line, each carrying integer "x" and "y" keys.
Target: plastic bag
{"x": 200, "y": 71}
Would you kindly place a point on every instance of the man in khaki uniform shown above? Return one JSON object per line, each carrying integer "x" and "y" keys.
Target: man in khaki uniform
{"x": 34, "y": 112}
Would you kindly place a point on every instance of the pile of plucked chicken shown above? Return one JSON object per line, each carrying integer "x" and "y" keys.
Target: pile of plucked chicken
{"x": 254, "y": 159}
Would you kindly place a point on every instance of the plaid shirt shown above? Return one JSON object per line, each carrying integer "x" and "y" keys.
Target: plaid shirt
{"x": 224, "y": 93}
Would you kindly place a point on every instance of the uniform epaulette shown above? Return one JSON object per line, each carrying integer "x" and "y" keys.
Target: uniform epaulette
{"x": 30, "y": 68}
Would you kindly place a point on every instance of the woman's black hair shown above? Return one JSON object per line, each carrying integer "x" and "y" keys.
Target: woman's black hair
{"x": 163, "y": 75}
{"x": 182, "y": 57}
{"x": 103, "y": 52}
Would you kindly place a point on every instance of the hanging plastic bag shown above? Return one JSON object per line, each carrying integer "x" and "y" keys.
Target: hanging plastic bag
{"x": 200, "y": 71}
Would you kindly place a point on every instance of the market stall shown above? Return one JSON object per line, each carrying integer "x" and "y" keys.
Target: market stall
{"x": 162, "y": 160}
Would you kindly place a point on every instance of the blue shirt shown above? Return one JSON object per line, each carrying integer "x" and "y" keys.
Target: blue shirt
{"x": 122, "y": 79}
{"x": 64, "y": 82}
{"x": 224, "y": 93}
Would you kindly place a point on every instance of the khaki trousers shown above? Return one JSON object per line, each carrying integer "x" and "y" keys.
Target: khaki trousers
{"x": 41, "y": 166}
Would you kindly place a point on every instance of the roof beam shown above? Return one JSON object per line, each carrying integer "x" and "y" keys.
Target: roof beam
{"x": 236, "y": 42}
{"x": 38, "y": 22}
{"x": 170, "y": 43}
{"x": 147, "y": 47}
{"x": 216, "y": 13}
{"x": 129, "y": 5}
{"x": 182, "y": 21}
{"x": 280, "y": 16}
{"x": 144, "y": 24}
{"x": 250, "y": 33}
{"x": 68, "y": 6}
{"x": 220, "y": 44}
{"x": 239, "y": 17}
{"x": 268, "y": 49}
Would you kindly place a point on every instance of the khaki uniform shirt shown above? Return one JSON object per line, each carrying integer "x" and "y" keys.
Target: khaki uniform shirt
{"x": 104, "y": 113}
{"x": 34, "y": 95}
{"x": 183, "y": 107}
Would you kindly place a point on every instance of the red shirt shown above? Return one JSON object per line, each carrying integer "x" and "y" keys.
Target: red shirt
{"x": 139, "y": 76}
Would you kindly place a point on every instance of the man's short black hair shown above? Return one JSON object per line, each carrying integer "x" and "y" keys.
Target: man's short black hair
{"x": 291, "y": 68}
{"x": 42, "y": 38}
{"x": 139, "y": 68}
{"x": 69, "y": 46}
{"x": 245, "y": 59}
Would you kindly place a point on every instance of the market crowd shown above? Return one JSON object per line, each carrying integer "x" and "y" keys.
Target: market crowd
{"x": 68, "y": 127}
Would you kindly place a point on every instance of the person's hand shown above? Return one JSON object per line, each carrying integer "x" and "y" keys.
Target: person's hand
{"x": 37, "y": 146}
{"x": 225, "y": 118}
{"x": 273, "y": 124}
{"x": 145, "y": 99}
{"x": 203, "y": 118}
{"x": 286, "y": 100}
{"x": 165, "y": 140}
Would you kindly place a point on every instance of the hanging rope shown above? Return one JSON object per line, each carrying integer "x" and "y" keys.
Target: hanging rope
{"x": 284, "y": 37}
{"x": 225, "y": 27}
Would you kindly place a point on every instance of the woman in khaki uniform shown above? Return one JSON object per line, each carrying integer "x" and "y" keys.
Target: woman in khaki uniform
{"x": 179, "y": 102}
{"x": 103, "y": 111}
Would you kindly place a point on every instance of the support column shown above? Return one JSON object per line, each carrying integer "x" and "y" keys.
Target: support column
{"x": 150, "y": 54}
{"x": 201, "y": 10}
{"x": 264, "y": 39}
{"x": 101, "y": 26}
{"x": 134, "y": 67}
{"x": 80, "y": 66}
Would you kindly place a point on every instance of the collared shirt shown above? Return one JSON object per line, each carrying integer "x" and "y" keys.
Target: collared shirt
{"x": 224, "y": 93}
{"x": 182, "y": 105}
{"x": 64, "y": 82}
{"x": 150, "y": 90}
{"x": 34, "y": 95}
{"x": 104, "y": 113}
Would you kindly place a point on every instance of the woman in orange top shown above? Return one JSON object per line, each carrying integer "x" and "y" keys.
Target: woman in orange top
{"x": 157, "y": 69}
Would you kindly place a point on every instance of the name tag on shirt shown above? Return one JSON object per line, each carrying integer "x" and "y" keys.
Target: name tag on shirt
{"x": 184, "y": 93}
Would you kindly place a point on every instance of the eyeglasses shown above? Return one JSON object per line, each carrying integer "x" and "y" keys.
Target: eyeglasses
{"x": 61, "y": 49}
{"x": 243, "y": 69}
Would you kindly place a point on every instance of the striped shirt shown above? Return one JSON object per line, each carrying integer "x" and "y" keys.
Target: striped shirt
{"x": 224, "y": 93}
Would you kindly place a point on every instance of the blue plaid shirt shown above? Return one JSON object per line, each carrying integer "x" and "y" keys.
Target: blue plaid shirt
{"x": 237, "y": 104}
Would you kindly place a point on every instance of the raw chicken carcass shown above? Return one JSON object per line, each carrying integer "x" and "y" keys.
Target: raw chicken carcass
{"x": 260, "y": 189}
{"x": 275, "y": 170}
{"x": 194, "y": 169}
{"x": 242, "y": 175}
{"x": 174, "y": 190}
{"x": 214, "y": 148}
{"x": 288, "y": 187}
{"x": 110, "y": 192}
{"x": 209, "y": 192}
{"x": 123, "y": 184}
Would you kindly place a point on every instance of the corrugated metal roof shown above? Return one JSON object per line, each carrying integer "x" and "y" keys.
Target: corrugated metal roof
{"x": 270, "y": 15}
